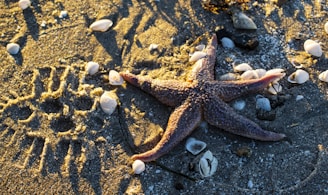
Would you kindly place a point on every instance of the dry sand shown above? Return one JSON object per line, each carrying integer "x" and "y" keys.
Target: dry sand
{"x": 55, "y": 139}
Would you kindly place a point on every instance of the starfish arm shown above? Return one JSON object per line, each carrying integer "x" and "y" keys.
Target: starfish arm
{"x": 182, "y": 122}
{"x": 169, "y": 92}
{"x": 219, "y": 114}
{"x": 229, "y": 90}
{"x": 204, "y": 68}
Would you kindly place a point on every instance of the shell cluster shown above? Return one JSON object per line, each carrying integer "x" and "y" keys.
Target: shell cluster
{"x": 208, "y": 164}
{"x": 245, "y": 72}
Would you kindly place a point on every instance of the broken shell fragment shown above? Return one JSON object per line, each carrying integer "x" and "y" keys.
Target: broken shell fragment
{"x": 13, "y": 48}
{"x": 101, "y": 25}
{"x": 115, "y": 78}
{"x": 274, "y": 88}
{"x": 92, "y": 68}
{"x": 23, "y": 4}
{"x": 326, "y": 27}
{"x": 324, "y": 76}
{"x": 108, "y": 102}
{"x": 195, "y": 146}
{"x": 312, "y": 48}
{"x": 196, "y": 56}
{"x": 242, "y": 67}
{"x": 299, "y": 76}
{"x": 241, "y": 21}
{"x": 138, "y": 166}
{"x": 207, "y": 164}
{"x": 200, "y": 47}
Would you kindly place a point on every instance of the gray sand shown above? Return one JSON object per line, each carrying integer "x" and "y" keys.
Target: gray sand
{"x": 55, "y": 139}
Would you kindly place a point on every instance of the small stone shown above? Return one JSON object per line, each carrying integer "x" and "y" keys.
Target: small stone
{"x": 263, "y": 103}
{"x": 239, "y": 104}
{"x": 13, "y": 48}
{"x": 63, "y": 14}
{"x": 227, "y": 43}
{"x": 250, "y": 184}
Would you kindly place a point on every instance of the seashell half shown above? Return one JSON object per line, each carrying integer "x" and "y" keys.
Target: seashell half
{"x": 195, "y": 146}
{"x": 138, "y": 166}
{"x": 242, "y": 67}
{"x": 299, "y": 76}
{"x": 196, "y": 56}
{"x": 101, "y": 25}
{"x": 208, "y": 164}
{"x": 108, "y": 102}
{"x": 312, "y": 48}
{"x": 324, "y": 76}
{"x": 115, "y": 78}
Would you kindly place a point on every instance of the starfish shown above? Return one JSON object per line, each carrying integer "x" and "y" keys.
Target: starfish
{"x": 199, "y": 98}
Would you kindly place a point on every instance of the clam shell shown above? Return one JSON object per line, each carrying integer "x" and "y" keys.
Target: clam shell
{"x": 13, "y": 48}
{"x": 241, "y": 21}
{"x": 92, "y": 68}
{"x": 242, "y": 67}
{"x": 227, "y": 43}
{"x": 299, "y": 76}
{"x": 312, "y": 48}
{"x": 324, "y": 76}
{"x": 208, "y": 164}
{"x": 326, "y": 27}
{"x": 138, "y": 166}
{"x": 101, "y": 25}
{"x": 108, "y": 102}
{"x": 229, "y": 77}
{"x": 249, "y": 74}
{"x": 195, "y": 146}
{"x": 196, "y": 56}
{"x": 23, "y": 4}
{"x": 115, "y": 78}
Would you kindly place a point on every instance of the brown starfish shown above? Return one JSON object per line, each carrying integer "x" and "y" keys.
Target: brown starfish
{"x": 202, "y": 97}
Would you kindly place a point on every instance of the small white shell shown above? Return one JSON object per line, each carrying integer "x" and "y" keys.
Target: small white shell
{"x": 263, "y": 103}
{"x": 241, "y": 21}
{"x": 208, "y": 164}
{"x": 326, "y": 27}
{"x": 324, "y": 76}
{"x": 138, "y": 166}
{"x": 200, "y": 47}
{"x": 299, "y": 97}
{"x": 242, "y": 67}
{"x": 195, "y": 146}
{"x": 274, "y": 88}
{"x": 197, "y": 55}
{"x": 299, "y": 76}
{"x": 276, "y": 71}
{"x": 239, "y": 104}
{"x": 260, "y": 72}
{"x": 108, "y": 102}
{"x": 115, "y": 78}
{"x": 101, "y": 25}
{"x": 13, "y": 48}
{"x": 229, "y": 77}
{"x": 227, "y": 43}
{"x": 23, "y": 4}
{"x": 92, "y": 68}
{"x": 312, "y": 48}
{"x": 249, "y": 74}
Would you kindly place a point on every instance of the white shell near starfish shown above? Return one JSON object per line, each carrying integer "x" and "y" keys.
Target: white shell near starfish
{"x": 208, "y": 164}
{"x": 138, "y": 166}
{"x": 195, "y": 146}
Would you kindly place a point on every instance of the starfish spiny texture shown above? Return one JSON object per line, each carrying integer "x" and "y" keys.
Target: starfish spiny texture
{"x": 202, "y": 97}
